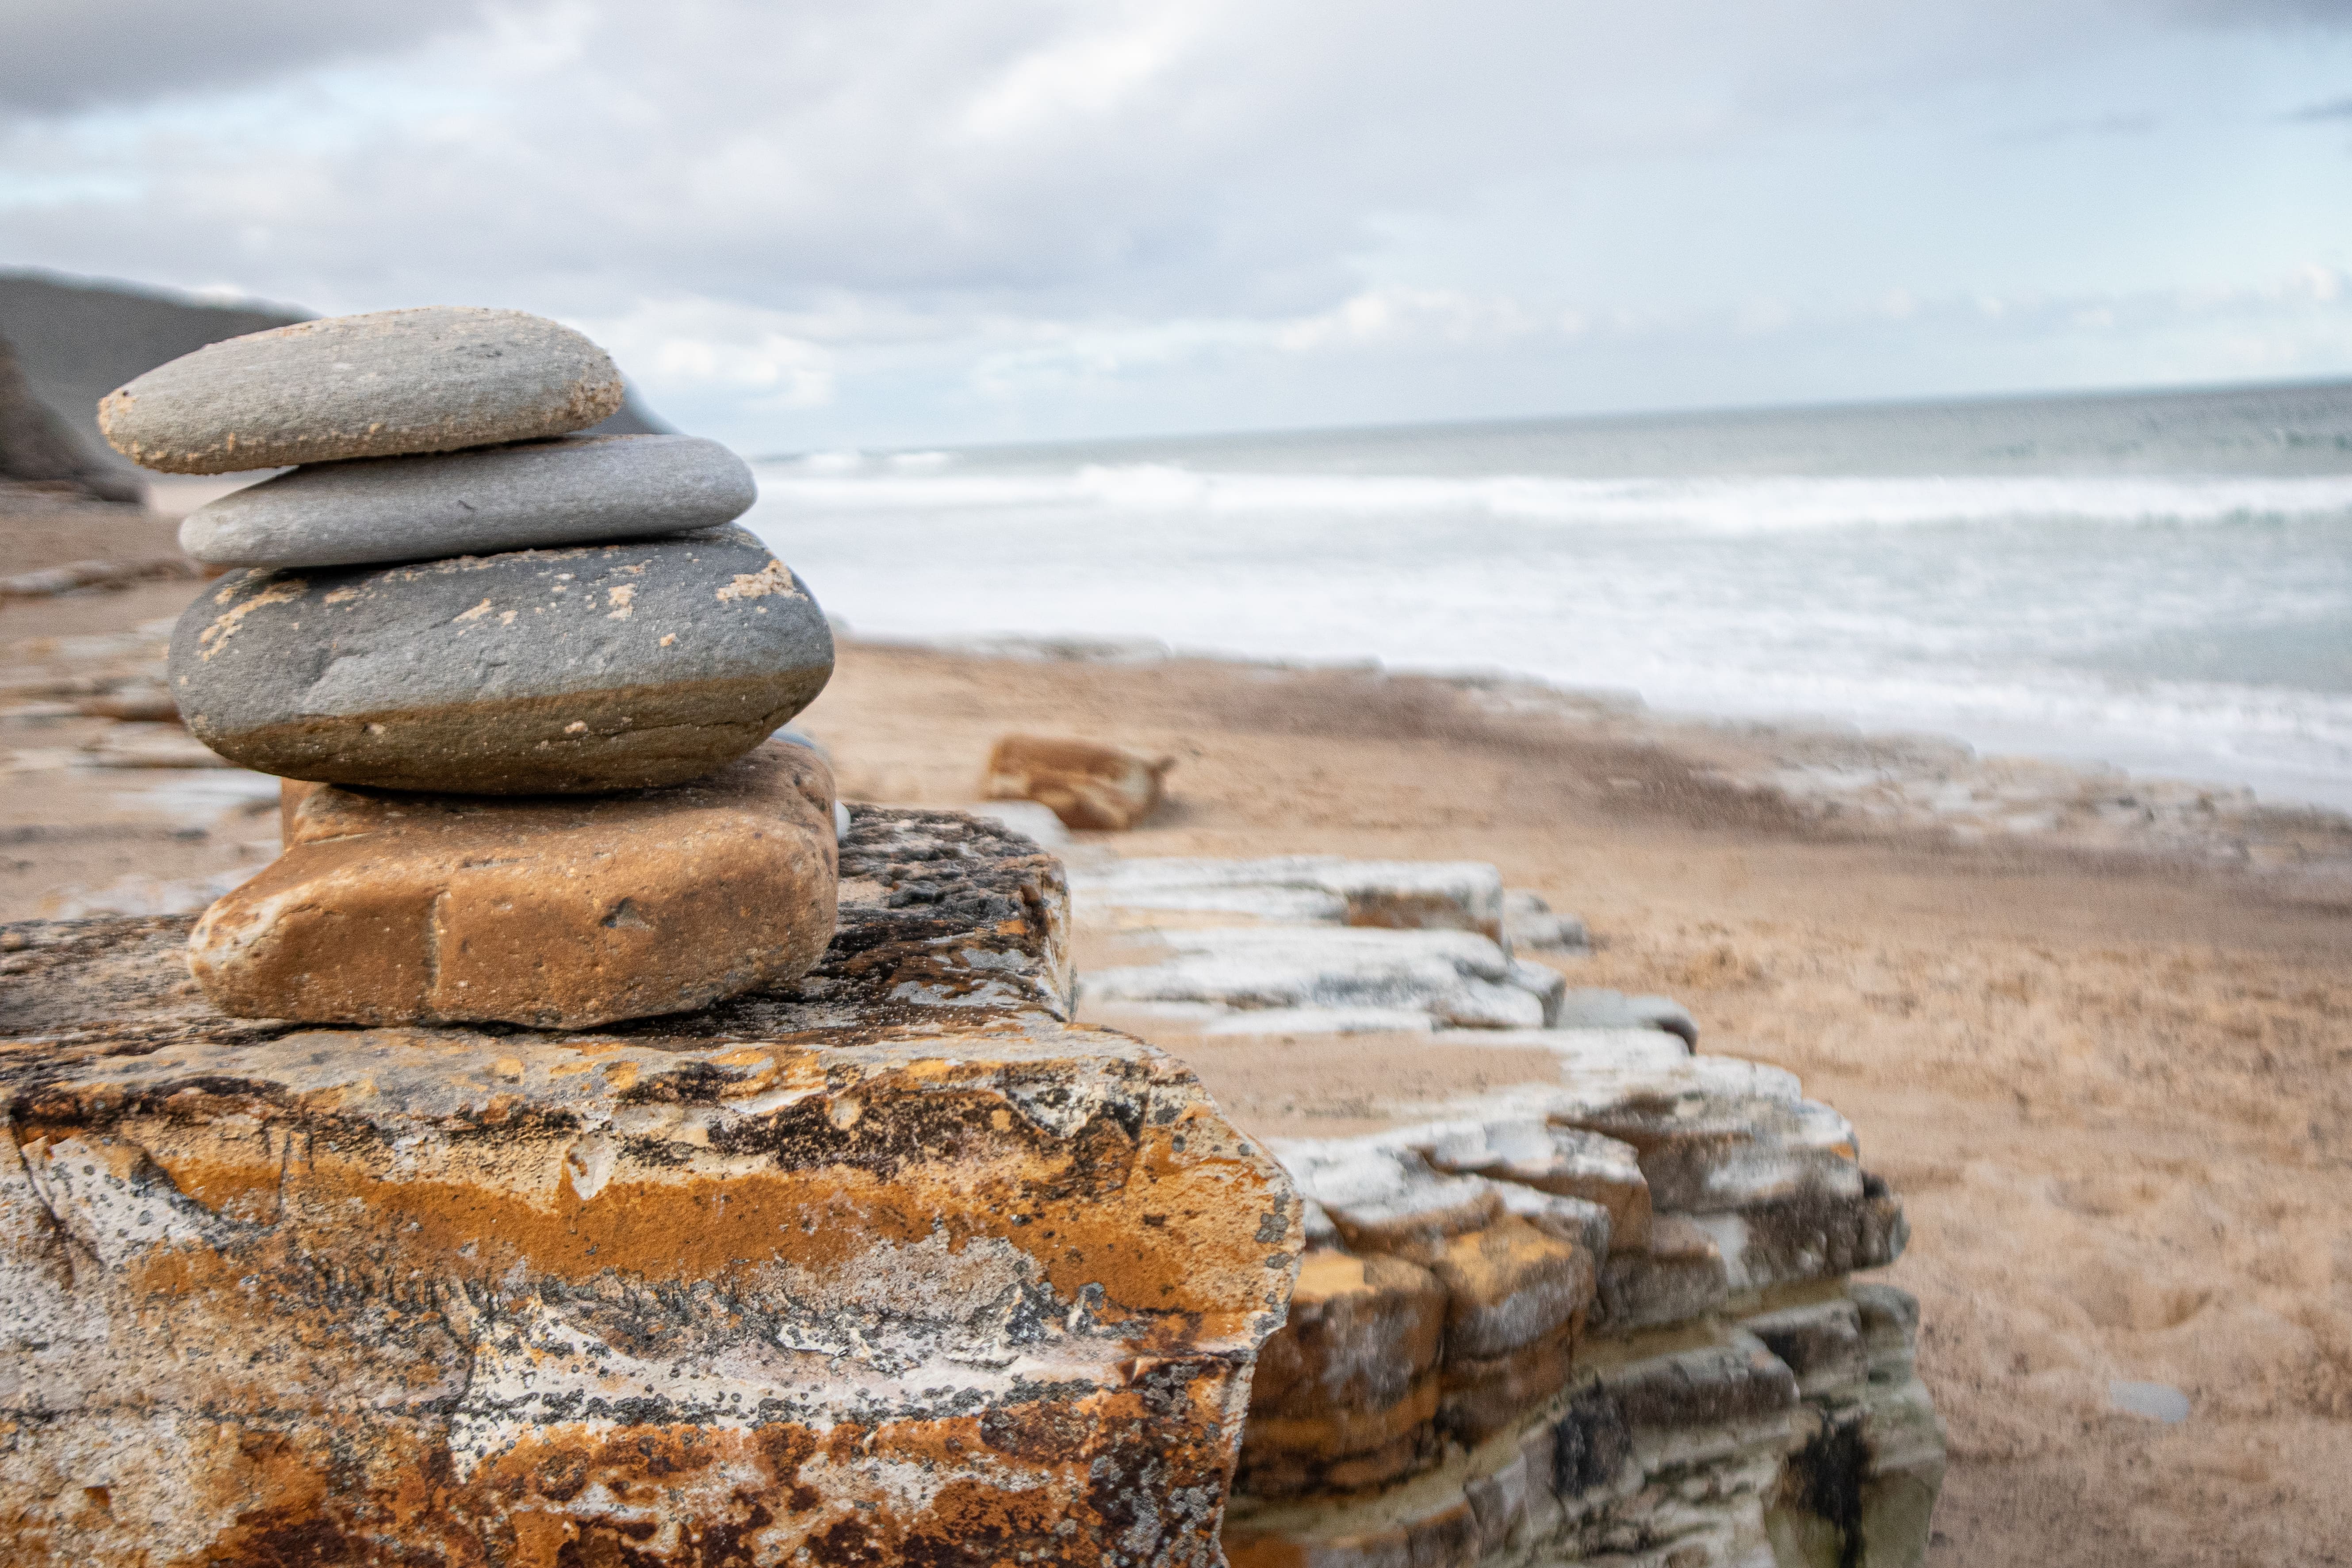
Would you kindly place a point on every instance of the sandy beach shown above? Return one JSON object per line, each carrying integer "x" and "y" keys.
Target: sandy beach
{"x": 2106, "y": 1062}
{"x": 2111, "y": 1087}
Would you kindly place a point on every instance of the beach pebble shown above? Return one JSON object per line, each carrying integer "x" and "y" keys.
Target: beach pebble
{"x": 377, "y": 385}
{"x": 568, "y": 491}
{"x": 389, "y": 909}
{"x": 535, "y": 671}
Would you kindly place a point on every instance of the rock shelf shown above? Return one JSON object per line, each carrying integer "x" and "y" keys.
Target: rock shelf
{"x": 1614, "y": 1325}
{"x": 893, "y": 1264}
{"x": 1605, "y": 1316}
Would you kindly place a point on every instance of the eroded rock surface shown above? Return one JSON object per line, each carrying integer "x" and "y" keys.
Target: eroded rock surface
{"x": 891, "y": 1265}
{"x": 560, "y": 912}
{"x": 1605, "y": 1320}
{"x": 1604, "y": 1316}
{"x": 531, "y": 672}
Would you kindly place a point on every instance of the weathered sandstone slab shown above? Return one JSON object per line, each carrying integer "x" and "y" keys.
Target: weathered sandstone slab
{"x": 531, "y": 672}
{"x": 1087, "y": 785}
{"x": 1699, "y": 1385}
{"x": 1270, "y": 979}
{"x": 890, "y": 1265}
{"x": 556, "y": 913}
{"x": 375, "y": 385}
{"x": 1320, "y": 889}
{"x": 1567, "y": 1161}
{"x": 535, "y": 495}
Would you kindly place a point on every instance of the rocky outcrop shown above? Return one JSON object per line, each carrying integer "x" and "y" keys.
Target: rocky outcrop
{"x": 37, "y": 450}
{"x": 1605, "y": 1320}
{"x": 1604, "y": 1316}
{"x": 894, "y": 1265}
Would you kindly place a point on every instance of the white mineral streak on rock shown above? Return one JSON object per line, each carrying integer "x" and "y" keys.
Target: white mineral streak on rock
{"x": 1381, "y": 979}
{"x": 1430, "y": 895}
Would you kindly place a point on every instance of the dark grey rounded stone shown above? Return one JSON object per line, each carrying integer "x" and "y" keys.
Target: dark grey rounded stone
{"x": 536, "y": 671}
{"x": 541, "y": 493}
{"x": 377, "y": 386}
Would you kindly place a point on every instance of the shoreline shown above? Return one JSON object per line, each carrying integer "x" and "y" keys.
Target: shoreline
{"x": 1841, "y": 777}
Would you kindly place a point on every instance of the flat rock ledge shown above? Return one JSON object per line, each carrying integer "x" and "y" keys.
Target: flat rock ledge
{"x": 895, "y": 1265}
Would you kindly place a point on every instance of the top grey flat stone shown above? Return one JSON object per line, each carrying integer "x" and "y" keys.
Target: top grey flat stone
{"x": 576, "y": 490}
{"x": 377, "y": 386}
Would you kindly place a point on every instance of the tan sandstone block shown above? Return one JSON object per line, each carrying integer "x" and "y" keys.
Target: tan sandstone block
{"x": 1361, "y": 1332}
{"x": 1507, "y": 1285}
{"x": 554, "y": 912}
{"x": 1086, "y": 784}
{"x": 1487, "y": 1395}
{"x": 1346, "y": 1390}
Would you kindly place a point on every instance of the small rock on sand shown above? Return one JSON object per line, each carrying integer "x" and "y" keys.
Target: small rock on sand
{"x": 1086, "y": 784}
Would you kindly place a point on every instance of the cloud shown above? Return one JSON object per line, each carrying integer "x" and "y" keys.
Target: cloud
{"x": 939, "y": 210}
{"x": 2339, "y": 110}
{"x": 64, "y": 56}
{"x": 1092, "y": 153}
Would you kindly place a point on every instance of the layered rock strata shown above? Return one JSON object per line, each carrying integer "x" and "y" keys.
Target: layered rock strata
{"x": 1608, "y": 1315}
{"x": 1519, "y": 1340}
{"x": 1316, "y": 942}
{"x": 890, "y": 1265}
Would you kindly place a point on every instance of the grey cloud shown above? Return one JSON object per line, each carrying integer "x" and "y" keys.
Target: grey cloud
{"x": 64, "y": 56}
{"x": 2339, "y": 110}
{"x": 926, "y": 183}
{"x": 1026, "y": 156}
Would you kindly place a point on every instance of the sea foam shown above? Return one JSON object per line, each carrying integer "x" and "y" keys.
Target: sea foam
{"x": 2192, "y": 624}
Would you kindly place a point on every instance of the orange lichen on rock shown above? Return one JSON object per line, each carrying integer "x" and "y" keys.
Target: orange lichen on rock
{"x": 894, "y": 1264}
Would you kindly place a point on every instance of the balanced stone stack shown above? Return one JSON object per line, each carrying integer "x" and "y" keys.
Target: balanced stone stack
{"x": 521, "y": 681}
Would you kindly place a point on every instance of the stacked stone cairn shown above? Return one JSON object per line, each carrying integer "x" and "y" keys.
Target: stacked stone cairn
{"x": 521, "y": 682}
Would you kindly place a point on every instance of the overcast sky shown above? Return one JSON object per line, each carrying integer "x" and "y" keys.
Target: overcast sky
{"x": 906, "y": 222}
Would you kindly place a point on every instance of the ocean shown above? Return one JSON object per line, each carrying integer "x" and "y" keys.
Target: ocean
{"x": 2159, "y": 581}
